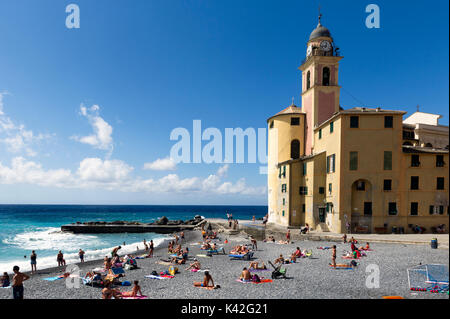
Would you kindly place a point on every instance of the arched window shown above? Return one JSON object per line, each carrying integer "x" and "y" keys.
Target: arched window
{"x": 295, "y": 149}
{"x": 308, "y": 80}
{"x": 428, "y": 145}
{"x": 326, "y": 76}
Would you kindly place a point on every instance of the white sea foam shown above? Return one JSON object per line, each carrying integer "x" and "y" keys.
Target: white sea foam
{"x": 53, "y": 239}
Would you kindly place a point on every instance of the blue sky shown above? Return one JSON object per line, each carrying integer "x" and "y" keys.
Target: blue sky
{"x": 156, "y": 65}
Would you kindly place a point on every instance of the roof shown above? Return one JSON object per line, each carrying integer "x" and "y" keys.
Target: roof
{"x": 291, "y": 109}
{"x": 320, "y": 31}
{"x": 420, "y": 149}
{"x": 370, "y": 110}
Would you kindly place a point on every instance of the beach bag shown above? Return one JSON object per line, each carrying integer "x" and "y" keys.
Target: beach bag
{"x": 255, "y": 278}
{"x": 126, "y": 283}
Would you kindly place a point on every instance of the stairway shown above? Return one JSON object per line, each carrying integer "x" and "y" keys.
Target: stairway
{"x": 323, "y": 227}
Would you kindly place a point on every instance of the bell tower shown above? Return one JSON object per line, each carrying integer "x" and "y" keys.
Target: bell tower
{"x": 320, "y": 89}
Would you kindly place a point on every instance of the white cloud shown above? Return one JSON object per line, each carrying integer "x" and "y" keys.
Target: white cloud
{"x": 17, "y": 138}
{"x": 164, "y": 164}
{"x": 222, "y": 171}
{"x": 116, "y": 175}
{"x": 102, "y": 135}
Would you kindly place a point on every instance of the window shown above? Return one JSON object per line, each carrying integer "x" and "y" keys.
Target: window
{"x": 284, "y": 188}
{"x": 321, "y": 190}
{"x": 431, "y": 210}
{"x": 353, "y": 161}
{"x": 415, "y": 161}
{"x": 388, "y": 122}
{"x": 295, "y": 121}
{"x": 414, "y": 209}
{"x": 331, "y": 127}
{"x": 440, "y": 161}
{"x": 284, "y": 201}
{"x": 414, "y": 182}
{"x": 387, "y": 185}
{"x": 303, "y": 190}
{"x": 330, "y": 188}
{"x": 303, "y": 208}
{"x": 331, "y": 163}
{"x": 326, "y": 76}
{"x": 308, "y": 80}
{"x": 367, "y": 208}
{"x": 282, "y": 171}
{"x": 441, "y": 210}
{"x": 295, "y": 149}
{"x": 271, "y": 125}
{"x": 354, "y": 121}
{"x": 282, "y": 213}
{"x": 320, "y": 134}
{"x": 440, "y": 183}
{"x": 360, "y": 186}
{"x": 392, "y": 208}
{"x": 304, "y": 169}
{"x": 387, "y": 160}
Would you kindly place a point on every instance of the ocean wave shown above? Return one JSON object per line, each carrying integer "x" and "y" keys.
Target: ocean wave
{"x": 52, "y": 239}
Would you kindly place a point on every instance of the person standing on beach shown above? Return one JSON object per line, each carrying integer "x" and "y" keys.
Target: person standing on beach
{"x": 150, "y": 253}
{"x": 17, "y": 283}
{"x": 288, "y": 236}
{"x": 333, "y": 257}
{"x": 81, "y": 255}
{"x": 145, "y": 245}
{"x": 254, "y": 244}
{"x": 33, "y": 262}
{"x": 60, "y": 259}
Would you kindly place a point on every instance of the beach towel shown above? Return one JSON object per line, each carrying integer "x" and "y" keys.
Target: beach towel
{"x": 6, "y": 287}
{"x": 137, "y": 297}
{"x": 323, "y": 248}
{"x": 117, "y": 271}
{"x": 53, "y": 278}
{"x": 155, "y": 277}
{"x": 253, "y": 282}
{"x": 203, "y": 255}
{"x": 160, "y": 262}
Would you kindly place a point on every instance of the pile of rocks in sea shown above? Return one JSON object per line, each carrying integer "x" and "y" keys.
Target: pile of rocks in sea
{"x": 162, "y": 221}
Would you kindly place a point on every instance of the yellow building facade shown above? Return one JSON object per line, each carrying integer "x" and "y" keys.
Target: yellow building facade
{"x": 353, "y": 170}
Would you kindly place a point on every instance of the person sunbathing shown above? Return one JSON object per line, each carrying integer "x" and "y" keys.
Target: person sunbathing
{"x": 279, "y": 260}
{"x": 245, "y": 275}
{"x": 178, "y": 249}
{"x": 107, "y": 264}
{"x": 293, "y": 258}
{"x": 206, "y": 246}
{"x": 255, "y": 265}
{"x": 108, "y": 292}
{"x": 206, "y": 280}
{"x": 366, "y": 247}
{"x": 298, "y": 253}
{"x": 195, "y": 265}
{"x": 170, "y": 247}
{"x": 134, "y": 292}
{"x": 269, "y": 239}
{"x": 284, "y": 242}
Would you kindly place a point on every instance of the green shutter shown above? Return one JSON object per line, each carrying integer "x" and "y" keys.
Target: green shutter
{"x": 331, "y": 127}
{"x": 320, "y": 134}
{"x": 353, "y": 161}
{"x": 387, "y": 160}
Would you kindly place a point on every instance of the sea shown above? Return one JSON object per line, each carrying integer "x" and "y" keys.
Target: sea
{"x": 24, "y": 228}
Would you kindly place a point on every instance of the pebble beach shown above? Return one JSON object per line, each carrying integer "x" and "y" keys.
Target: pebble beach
{"x": 308, "y": 278}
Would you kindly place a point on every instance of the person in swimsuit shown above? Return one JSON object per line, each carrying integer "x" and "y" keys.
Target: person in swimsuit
{"x": 81, "y": 255}
{"x": 245, "y": 275}
{"x": 255, "y": 265}
{"x": 60, "y": 259}
{"x": 107, "y": 264}
{"x": 288, "y": 236}
{"x": 206, "y": 281}
{"x": 115, "y": 250}
{"x": 5, "y": 280}
{"x": 145, "y": 245}
{"x": 195, "y": 265}
{"x": 150, "y": 252}
{"x": 279, "y": 260}
{"x": 254, "y": 243}
{"x": 109, "y": 293}
{"x": 17, "y": 283}
{"x": 33, "y": 262}
{"x": 134, "y": 292}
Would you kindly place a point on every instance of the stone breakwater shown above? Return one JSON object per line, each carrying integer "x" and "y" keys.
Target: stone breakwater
{"x": 162, "y": 226}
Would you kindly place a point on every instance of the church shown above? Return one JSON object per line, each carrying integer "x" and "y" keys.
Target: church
{"x": 358, "y": 170}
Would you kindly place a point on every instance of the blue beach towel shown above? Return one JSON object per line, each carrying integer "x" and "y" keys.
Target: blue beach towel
{"x": 53, "y": 278}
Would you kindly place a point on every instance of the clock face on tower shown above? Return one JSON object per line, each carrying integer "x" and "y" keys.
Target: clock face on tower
{"x": 325, "y": 45}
